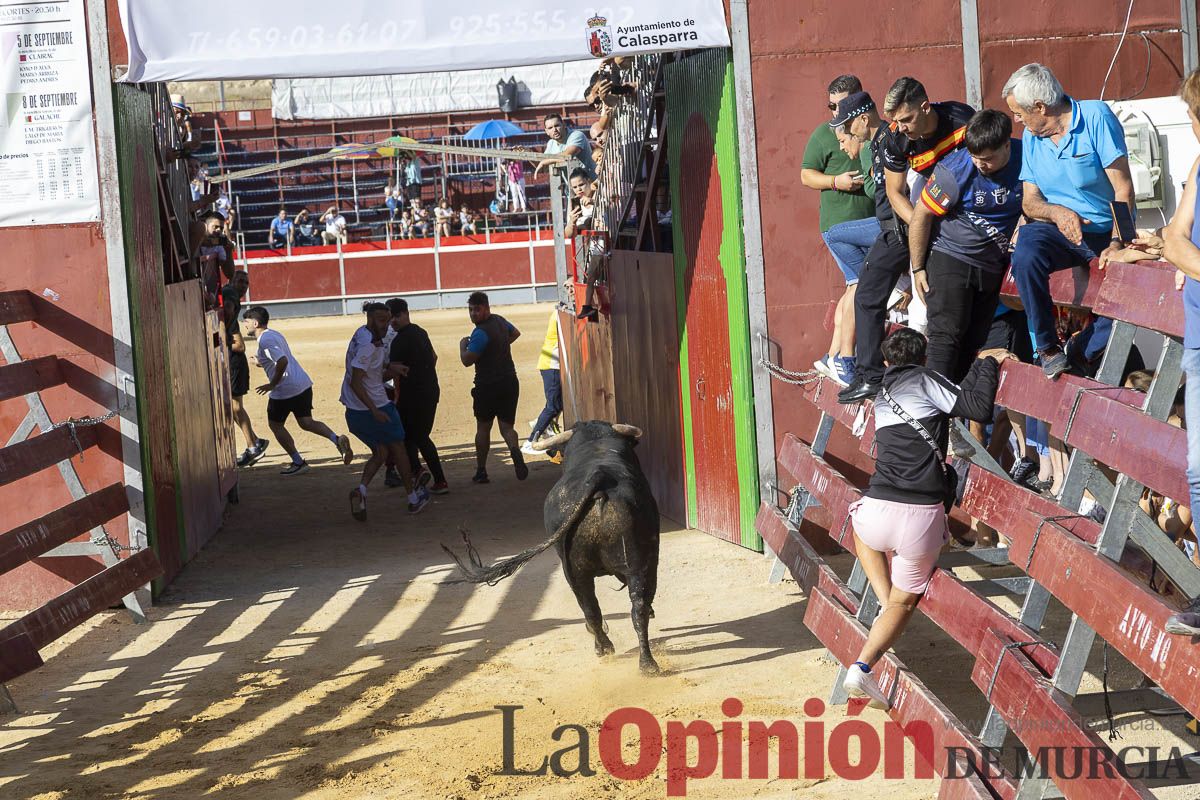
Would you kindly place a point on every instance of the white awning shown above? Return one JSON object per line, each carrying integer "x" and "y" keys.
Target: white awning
{"x": 235, "y": 39}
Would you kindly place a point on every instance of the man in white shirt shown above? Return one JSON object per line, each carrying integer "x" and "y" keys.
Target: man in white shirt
{"x": 370, "y": 415}
{"x": 290, "y": 391}
{"x": 335, "y": 226}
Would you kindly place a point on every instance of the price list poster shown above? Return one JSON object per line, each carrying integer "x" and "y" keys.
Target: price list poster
{"x": 48, "y": 169}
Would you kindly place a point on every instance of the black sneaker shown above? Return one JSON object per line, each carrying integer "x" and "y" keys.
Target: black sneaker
{"x": 294, "y": 469}
{"x": 519, "y": 465}
{"x": 589, "y": 313}
{"x": 1022, "y": 471}
{"x": 254, "y": 454}
{"x": 245, "y": 459}
{"x": 423, "y": 477}
{"x": 480, "y": 476}
{"x": 858, "y": 391}
{"x": 1054, "y": 362}
{"x": 392, "y": 479}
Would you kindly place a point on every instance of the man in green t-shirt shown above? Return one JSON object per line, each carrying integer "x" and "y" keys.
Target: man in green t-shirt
{"x": 839, "y": 176}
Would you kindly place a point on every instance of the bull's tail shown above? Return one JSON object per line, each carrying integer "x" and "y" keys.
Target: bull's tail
{"x": 474, "y": 570}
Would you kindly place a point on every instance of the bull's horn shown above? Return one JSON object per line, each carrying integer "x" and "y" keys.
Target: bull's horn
{"x": 555, "y": 441}
{"x": 627, "y": 430}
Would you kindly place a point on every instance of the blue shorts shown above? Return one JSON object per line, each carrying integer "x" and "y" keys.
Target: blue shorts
{"x": 372, "y": 433}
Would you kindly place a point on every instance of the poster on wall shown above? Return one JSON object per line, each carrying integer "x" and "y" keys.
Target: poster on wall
{"x": 47, "y": 143}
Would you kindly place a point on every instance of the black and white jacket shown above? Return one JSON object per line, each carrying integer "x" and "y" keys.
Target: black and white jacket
{"x": 906, "y": 469}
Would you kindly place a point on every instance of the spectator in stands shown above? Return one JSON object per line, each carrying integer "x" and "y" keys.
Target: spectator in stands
{"x": 189, "y": 139}
{"x": 974, "y": 200}
{"x": 420, "y": 218}
{"x": 515, "y": 171}
{"x": 848, "y": 223}
{"x": 411, "y": 175}
{"x": 406, "y": 224}
{"x": 566, "y": 142}
{"x": 443, "y": 214}
{"x": 281, "y": 232}
{"x": 223, "y": 205}
{"x": 1182, "y": 249}
{"x": 466, "y": 220}
{"x": 370, "y": 415}
{"x": 497, "y": 390}
{"x": 393, "y": 197}
{"x": 335, "y": 226}
{"x": 239, "y": 367}
{"x": 1074, "y": 164}
{"x": 921, "y": 134}
{"x": 305, "y": 229}
{"x": 552, "y": 386}
{"x": 902, "y": 515}
{"x": 581, "y": 218}
{"x": 291, "y": 392}
{"x": 212, "y": 255}
{"x": 417, "y": 397}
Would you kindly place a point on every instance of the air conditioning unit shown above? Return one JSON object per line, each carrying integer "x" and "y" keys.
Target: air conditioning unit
{"x": 1162, "y": 149}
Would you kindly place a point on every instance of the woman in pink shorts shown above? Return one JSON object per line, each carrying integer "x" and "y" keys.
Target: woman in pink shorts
{"x": 901, "y": 518}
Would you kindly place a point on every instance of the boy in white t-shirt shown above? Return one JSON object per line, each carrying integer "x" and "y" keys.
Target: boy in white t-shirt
{"x": 290, "y": 391}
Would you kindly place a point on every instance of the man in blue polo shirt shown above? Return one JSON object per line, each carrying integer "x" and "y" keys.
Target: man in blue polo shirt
{"x": 1074, "y": 164}
{"x": 976, "y": 194}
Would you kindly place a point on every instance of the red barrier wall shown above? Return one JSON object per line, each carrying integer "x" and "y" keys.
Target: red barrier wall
{"x": 465, "y": 263}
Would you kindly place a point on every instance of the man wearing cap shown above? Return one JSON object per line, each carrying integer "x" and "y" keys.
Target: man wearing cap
{"x": 921, "y": 134}
{"x": 188, "y": 140}
{"x": 850, "y": 241}
{"x": 839, "y": 178}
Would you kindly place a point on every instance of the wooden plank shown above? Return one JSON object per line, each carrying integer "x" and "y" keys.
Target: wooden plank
{"x": 1150, "y": 451}
{"x": 969, "y": 787}
{"x": 27, "y": 542}
{"x": 17, "y": 380}
{"x": 1143, "y": 294}
{"x": 949, "y": 603}
{"x": 33, "y": 455}
{"x": 1042, "y": 718}
{"x": 1075, "y": 288}
{"x": 912, "y": 702}
{"x": 16, "y": 307}
{"x": 806, "y": 565}
{"x": 18, "y": 656}
{"x": 1121, "y": 610}
{"x": 823, "y": 394}
{"x": 1025, "y": 389}
{"x": 80, "y": 603}
{"x": 999, "y": 503}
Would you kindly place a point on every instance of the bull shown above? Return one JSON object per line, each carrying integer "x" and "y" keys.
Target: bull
{"x": 603, "y": 520}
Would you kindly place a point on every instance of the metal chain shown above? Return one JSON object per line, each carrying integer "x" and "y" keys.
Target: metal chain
{"x": 788, "y": 376}
{"x": 82, "y": 422}
{"x": 105, "y": 539}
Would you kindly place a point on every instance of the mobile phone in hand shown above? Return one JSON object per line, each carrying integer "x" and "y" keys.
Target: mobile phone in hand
{"x": 1123, "y": 228}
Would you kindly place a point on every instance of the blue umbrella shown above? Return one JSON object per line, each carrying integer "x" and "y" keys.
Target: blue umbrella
{"x": 493, "y": 129}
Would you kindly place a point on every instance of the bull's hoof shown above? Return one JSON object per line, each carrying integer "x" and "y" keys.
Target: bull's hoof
{"x": 605, "y": 648}
{"x": 649, "y": 667}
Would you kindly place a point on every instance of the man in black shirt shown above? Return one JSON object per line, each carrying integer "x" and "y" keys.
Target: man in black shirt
{"x": 417, "y": 395}
{"x": 920, "y": 134}
{"x": 239, "y": 367}
{"x": 489, "y": 350}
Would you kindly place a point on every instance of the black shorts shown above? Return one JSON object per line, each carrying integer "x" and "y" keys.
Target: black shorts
{"x": 300, "y": 405}
{"x": 239, "y": 373}
{"x": 497, "y": 400}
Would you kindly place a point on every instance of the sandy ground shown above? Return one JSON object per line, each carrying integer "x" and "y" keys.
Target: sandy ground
{"x": 304, "y": 655}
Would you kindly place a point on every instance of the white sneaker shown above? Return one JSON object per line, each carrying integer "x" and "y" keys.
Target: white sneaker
{"x": 528, "y": 450}
{"x": 824, "y": 367}
{"x": 862, "y": 684}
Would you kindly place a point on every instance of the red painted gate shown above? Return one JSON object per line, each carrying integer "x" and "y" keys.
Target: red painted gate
{"x": 707, "y": 324}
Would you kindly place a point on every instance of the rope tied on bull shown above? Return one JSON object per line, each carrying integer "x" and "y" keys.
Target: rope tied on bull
{"x": 72, "y": 423}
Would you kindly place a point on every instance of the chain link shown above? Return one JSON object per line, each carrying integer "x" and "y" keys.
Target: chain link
{"x": 83, "y": 422}
{"x": 788, "y": 376}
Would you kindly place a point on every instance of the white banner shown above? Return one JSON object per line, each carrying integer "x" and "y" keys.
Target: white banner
{"x": 426, "y": 92}
{"x": 231, "y": 39}
{"x": 47, "y": 143}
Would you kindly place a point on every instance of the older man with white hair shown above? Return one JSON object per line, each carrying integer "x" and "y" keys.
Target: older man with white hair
{"x": 1074, "y": 164}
